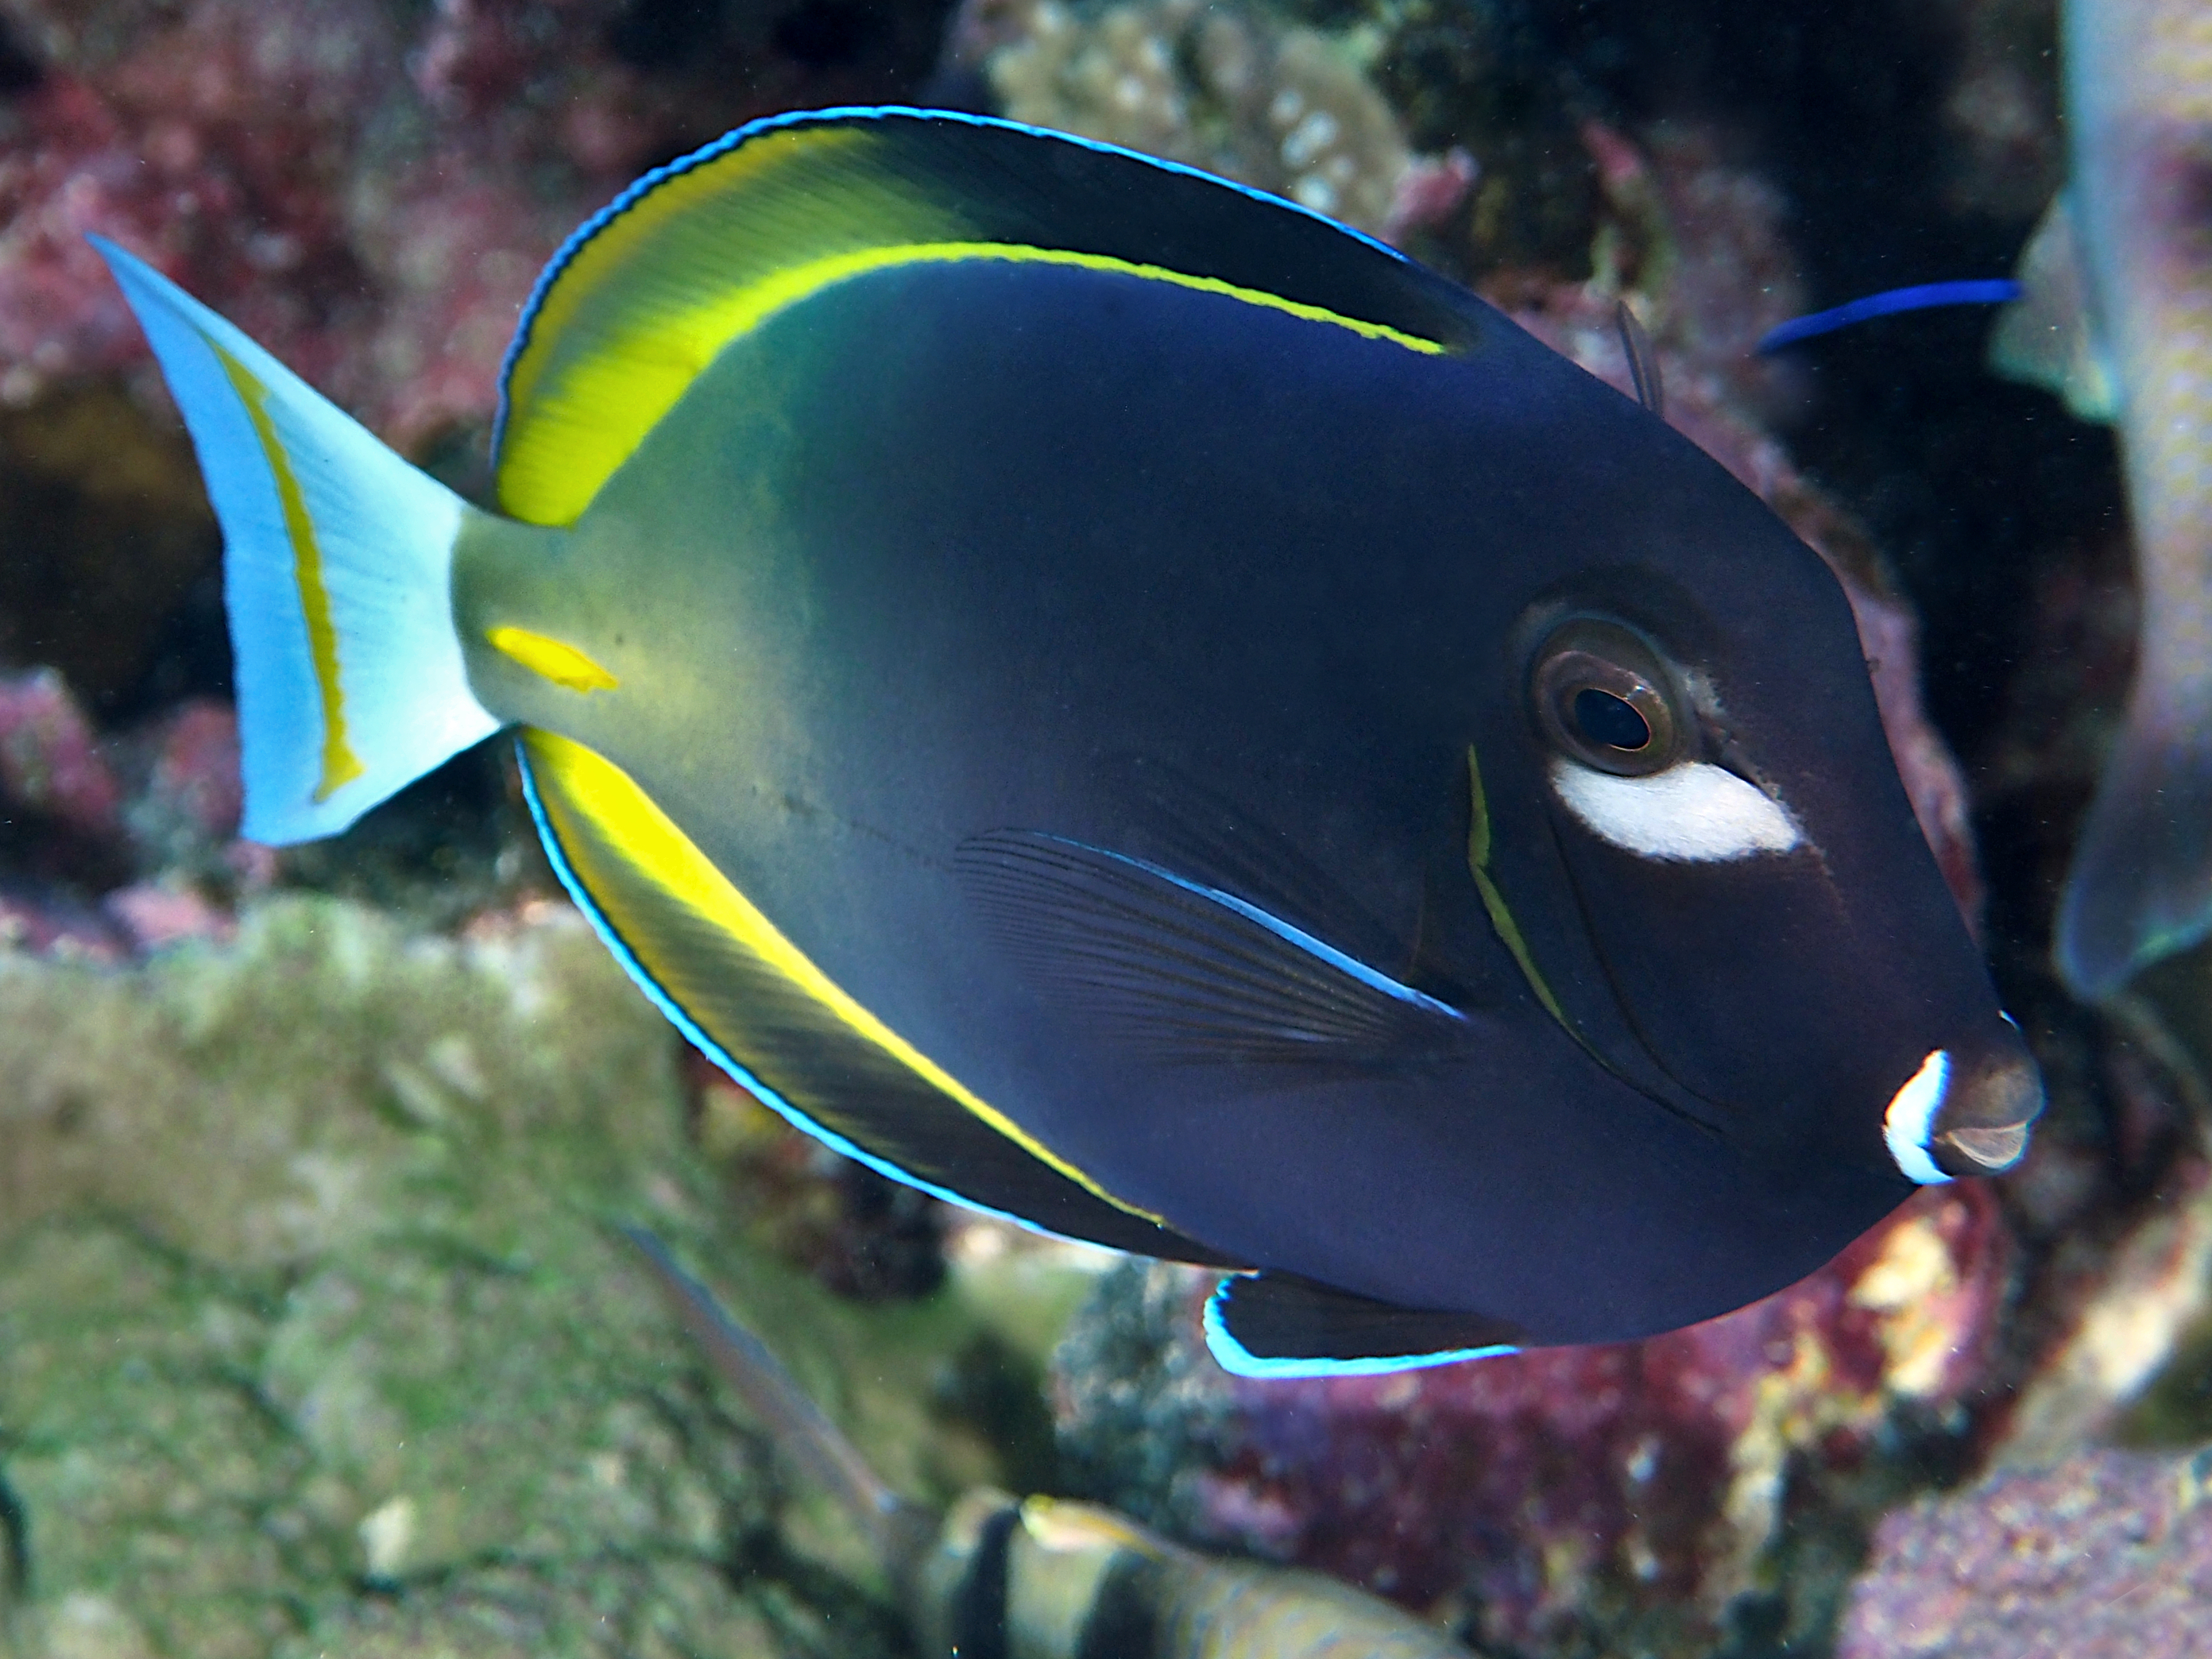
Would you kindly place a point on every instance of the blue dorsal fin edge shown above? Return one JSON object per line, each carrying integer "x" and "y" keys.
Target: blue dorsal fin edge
{"x": 646, "y": 183}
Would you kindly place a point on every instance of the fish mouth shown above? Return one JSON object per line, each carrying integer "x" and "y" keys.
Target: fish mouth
{"x": 1969, "y": 1116}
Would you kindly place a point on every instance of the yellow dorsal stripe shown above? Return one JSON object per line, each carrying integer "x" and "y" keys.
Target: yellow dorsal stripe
{"x": 561, "y": 664}
{"x": 341, "y": 766}
{"x": 597, "y": 409}
{"x": 747, "y": 308}
{"x": 604, "y": 257}
{"x": 626, "y": 818}
{"x": 1067, "y": 1525}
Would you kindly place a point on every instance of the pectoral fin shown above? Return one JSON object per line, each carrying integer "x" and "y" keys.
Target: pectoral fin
{"x": 1187, "y": 973}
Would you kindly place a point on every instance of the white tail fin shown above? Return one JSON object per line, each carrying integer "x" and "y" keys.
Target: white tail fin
{"x": 338, "y": 560}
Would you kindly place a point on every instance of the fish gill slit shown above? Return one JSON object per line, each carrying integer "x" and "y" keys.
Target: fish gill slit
{"x": 1493, "y": 899}
{"x": 1626, "y": 1009}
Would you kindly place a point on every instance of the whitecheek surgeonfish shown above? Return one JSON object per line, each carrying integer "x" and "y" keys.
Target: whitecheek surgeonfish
{"x": 997, "y": 1576}
{"x": 1114, "y": 699}
{"x": 2117, "y": 317}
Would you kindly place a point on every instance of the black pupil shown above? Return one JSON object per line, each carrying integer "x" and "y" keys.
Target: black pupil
{"x": 1610, "y": 720}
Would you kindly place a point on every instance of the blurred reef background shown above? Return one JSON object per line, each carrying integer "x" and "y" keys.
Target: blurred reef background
{"x": 313, "y": 1338}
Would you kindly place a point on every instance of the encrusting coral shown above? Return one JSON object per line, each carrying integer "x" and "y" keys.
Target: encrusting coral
{"x": 1229, "y": 88}
{"x": 313, "y": 1336}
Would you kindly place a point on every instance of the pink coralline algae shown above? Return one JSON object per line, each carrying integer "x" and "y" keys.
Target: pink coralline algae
{"x": 1636, "y": 1486}
{"x": 367, "y": 187}
{"x": 84, "y": 815}
{"x": 49, "y": 760}
{"x": 280, "y": 161}
{"x": 193, "y": 792}
{"x": 2106, "y": 1556}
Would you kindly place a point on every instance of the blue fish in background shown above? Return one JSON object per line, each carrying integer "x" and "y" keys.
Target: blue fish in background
{"x": 1117, "y": 701}
{"x": 2117, "y": 318}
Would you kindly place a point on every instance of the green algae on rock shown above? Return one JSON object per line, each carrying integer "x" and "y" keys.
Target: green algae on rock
{"x": 1226, "y": 88}
{"x": 312, "y": 1337}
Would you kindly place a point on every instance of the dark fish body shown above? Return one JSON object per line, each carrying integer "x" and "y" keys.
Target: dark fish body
{"x": 1125, "y": 704}
{"x": 906, "y": 593}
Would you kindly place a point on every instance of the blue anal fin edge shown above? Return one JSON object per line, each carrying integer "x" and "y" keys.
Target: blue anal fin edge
{"x": 1277, "y": 1326}
{"x": 694, "y": 1034}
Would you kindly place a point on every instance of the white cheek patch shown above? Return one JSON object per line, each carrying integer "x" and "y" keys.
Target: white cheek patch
{"x": 1911, "y": 1114}
{"x": 1695, "y": 812}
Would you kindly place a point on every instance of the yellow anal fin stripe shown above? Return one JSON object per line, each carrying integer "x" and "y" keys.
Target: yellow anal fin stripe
{"x": 564, "y": 665}
{"x": 708, "y": 948}
{"x": 341, "y": 766}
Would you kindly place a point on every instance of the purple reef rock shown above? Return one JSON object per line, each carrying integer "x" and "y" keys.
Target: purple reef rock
{"x": 2105, "y": 1556}
{"x": 1562, "y": 1497}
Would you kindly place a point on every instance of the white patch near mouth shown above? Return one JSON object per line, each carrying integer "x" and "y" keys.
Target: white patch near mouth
{"x": 1695, "y": 812}
{"x": 1911, "y": 1113}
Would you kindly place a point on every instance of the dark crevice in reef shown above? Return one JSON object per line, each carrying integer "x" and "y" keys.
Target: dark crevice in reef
{"x": 20, "y": 69}
{"x": 892, "y": 40}
{"x": 14, "y": 1547}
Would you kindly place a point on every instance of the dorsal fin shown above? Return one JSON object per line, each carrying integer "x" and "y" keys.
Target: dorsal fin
{"x": 642, "y": 298}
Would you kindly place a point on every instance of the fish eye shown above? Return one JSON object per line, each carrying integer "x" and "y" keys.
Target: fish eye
{"x": 1611, "y": 720}
{"x": 1602, "y": 697}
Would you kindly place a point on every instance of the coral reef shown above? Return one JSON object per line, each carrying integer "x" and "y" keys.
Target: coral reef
{"x": 313, "y": 1336}
{"x": 2002, "y": 110}
{"x": 368, "y": 187}
{"x": 1600, "y": 1500}
{"x": 117, "y": 845}
{"x": 2107, "y": 1556}
{"x": 1226, "y": 88}
{"x": 310, "y": 1339}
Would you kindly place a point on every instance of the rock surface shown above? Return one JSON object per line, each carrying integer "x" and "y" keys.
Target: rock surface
{"x": 314, "y": 1338}
{"x": 1647, "y": 1496}
{"x": 2107, "y": 1556}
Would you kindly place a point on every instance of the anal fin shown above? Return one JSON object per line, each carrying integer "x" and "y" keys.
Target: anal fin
{"x": 761, "y": 1010}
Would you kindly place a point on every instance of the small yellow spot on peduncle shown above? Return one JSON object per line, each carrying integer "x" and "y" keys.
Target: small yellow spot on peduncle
{"x": 564, "y": 665}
